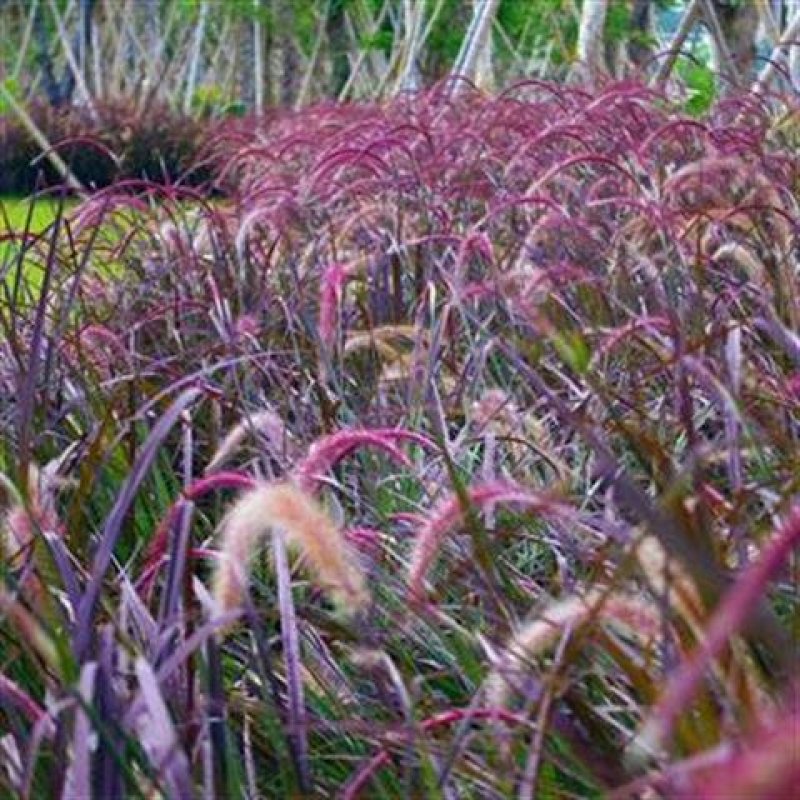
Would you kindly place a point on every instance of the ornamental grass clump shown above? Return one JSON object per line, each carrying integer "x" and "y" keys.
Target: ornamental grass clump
{"x": 469, "y": 357}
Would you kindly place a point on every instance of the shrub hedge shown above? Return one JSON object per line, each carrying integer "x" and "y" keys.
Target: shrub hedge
{"x": 114, "y": 142}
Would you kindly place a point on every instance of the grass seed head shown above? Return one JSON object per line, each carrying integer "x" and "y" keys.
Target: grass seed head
{"x": 265, "y": 422}
{"x": 286, "y": 508}
{"x": 542, "y": 632}
{"x": 451, "y": 512}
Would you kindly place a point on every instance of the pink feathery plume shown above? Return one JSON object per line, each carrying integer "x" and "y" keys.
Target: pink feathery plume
{"x": 451, "y": 512}
{"x": 332, "y": 285}
{"x": 329, "y": 450}
{"x": 160, "y": 542}
{"x": 358, "y": 783}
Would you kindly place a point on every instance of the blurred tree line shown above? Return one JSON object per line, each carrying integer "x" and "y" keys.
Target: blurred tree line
{"x": 138, "y": 77}
{"x": 211, "y": 57}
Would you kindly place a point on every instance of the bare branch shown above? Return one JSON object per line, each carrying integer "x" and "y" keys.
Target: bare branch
{"x": 476, "y": 39}
{"x": 688, "y": 20}
{"x": 789, "y": 39}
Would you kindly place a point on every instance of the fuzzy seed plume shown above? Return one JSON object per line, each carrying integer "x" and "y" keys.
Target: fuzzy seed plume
{"x": 324, "y": 453}
{"x": 380, "y": 338}
{"x": 285, "y": 508}
{"x": 332, "y": 286}
{"x": 450, "y": 513}
{"x": 267, "y": 423}
{"x": 21, "y": 522}
{"x": 731, "y": 614}
{"x": 537, "y": 636}
{"x": 668, "y": 578}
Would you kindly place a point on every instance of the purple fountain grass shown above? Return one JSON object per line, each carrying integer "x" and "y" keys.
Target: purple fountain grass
{"x": 326, "y": 452}
{"x": 266, "y": 422}
{"x": 728, "y": 619}
{"x": 584, "y": 287}
{"x": 451, "y": 512}
{"x": 17, "y": 697}
{"x": 379, "y": 338}
{"x": 34, "y": 636}
{"x": 767, "y": 766}
{"x": 23, "y": 522}
{"x": 332, "y": 283}
{"x": 572, "y": 613}
{"x": 322, "y": 456}
{"x": 359, "y": 782}
{"x": 159, "y": 544}
{"x": 365, "y": 539}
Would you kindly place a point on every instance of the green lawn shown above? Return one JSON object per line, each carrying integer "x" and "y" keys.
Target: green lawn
{"x": 16, "y": 216}
{"x": 14, "y": 213}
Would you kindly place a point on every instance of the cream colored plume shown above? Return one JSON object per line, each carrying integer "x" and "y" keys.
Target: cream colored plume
{"x": 541, "y": 633}
{"x": 667, "y": 578}
{"x": 380, "y": 339}
{"x": 266, "y": 422}
{"x": 285, "y": 509}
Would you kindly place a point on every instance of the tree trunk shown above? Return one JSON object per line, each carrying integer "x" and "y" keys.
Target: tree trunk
{"x": 194, "y": 61}
{"x": 283, "y": 61}
{"x": 738, "y": 22}
{"x": 590, "y": 38}
{"x": 413, "y": 18}
{"x": 477, "y": 39}
{"x": 786, "y": 48}
{"x": 639, "y": 48}
{"x": 336, "y": 29}
{"x": 689, "y": 18}
{"x": 58, "y": 92}
{"x": 85, "y": 36}
{"x": 250, "y": 61}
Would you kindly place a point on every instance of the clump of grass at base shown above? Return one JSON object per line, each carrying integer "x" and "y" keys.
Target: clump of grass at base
{"x": 473, "y": 356}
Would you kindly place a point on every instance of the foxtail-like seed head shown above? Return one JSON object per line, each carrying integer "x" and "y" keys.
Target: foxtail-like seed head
{"x": 451, "y": 511}
{"x": 265, "y": 422}
{"x": 542, "y": 632}
{"x": 285, "y": 509}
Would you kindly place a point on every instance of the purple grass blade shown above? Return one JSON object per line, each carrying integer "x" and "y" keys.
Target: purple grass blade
{"x": 217, "y": 718}
{"x": 202, "y": 486}
{"x": 733, "y": 612}
{"x": 298, "y": 737}
{"x": 768, "y": 767}
{"x": 158, "y": 737}
{"x": 197, "y": 640}
{"x": 78, "y": 780}
{"x": 61, "y": 557}
{"x": 11, "y": 694}
{"x": 113, "y": 527}
{"x": 28, "y": 378}
{"x": 173, "y": 588}
{"x": 108, "y": 764}
{"x": 142, "y": 623}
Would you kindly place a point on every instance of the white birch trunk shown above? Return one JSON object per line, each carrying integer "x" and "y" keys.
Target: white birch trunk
{"x": 194, "y": 61}
{"x": 477, "y": 39}
{"x": 590, "y": 36}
